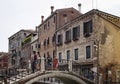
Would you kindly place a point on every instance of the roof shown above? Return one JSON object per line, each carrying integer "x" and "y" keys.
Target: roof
{"x": 109, "y": 17}
{"x": 56, "y": 11}
{"x": 27, "y": 30}
{"x": 3, "y": 54}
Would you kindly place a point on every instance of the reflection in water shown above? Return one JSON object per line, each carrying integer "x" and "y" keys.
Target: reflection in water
{"x": 49, "y": 80}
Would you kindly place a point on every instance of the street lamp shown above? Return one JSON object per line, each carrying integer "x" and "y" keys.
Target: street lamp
{"x": 96, "y": 46}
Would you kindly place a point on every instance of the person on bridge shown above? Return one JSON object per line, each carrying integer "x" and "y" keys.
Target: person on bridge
{"x": 33, "y": 61}
{"x": 55, "y": 63}
{"x": 38, "y": 61}
{"x": 49, "y": 60}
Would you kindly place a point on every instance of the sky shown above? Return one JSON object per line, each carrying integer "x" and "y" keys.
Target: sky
{"x": 26, "y": 14}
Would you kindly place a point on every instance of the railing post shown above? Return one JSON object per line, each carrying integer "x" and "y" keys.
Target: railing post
{"x": 70, "y": 64}
{"x": 42, "y": 64}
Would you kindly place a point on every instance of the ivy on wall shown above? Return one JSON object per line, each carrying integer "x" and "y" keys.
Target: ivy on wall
{"x": 26, "y": 40}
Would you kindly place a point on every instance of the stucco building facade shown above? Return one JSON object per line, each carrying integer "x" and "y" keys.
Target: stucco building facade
{"x": 92, "y": 40}
{"x": 15, "y": 46}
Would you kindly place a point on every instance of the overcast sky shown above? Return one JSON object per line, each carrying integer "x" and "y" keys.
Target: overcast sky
{"x": 26, "y": 14}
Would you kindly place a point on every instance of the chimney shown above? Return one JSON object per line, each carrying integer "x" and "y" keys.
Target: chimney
{"x": 79, "y": 7}
{"x": 36, "y": 28}
{"x": 52, "y": 7}
{"x": 42, "y": 19}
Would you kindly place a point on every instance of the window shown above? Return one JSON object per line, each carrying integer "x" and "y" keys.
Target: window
{"x": 59, "y": 39}
{"x": 24, "y": 34}
{"x": 68, "y": 36}
{"x": 76, "y": 33}
{"x": 65, "y": 17}
{"x": 48, "y": 23}
{"x": 45, "y": 26}
{"x": 39, "y": 31}
{"x": 54, "y": 19}
{"x": 76, "y": 54}
{"x": 68, "y": 55}
{"x": 118, "y": 75}
{"x": 88, "y": 28}
{"x": 18, "y": 44}
{"x": 19, "y": 53}
{"x": 60, "y": 57}
{"x": 36, "y": 45}
{"x": 54, "y": 53}
{"x": 48, "y": 41}
{"x": 44, "y": 42}
{"x": 32, "y": 47}
{"x": 39, "y": 45}
{"x": 53, "y": 38}
{"x": 44, "y": 56}
{"x": 88, "y": 52}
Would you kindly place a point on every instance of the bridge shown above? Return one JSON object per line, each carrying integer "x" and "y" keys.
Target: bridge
{"x": 65, "y": 72}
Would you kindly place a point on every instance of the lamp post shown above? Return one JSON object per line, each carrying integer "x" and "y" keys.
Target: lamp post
{"x": 96, "y": 45}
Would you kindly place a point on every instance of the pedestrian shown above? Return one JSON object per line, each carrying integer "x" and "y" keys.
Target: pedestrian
{"x": 55, "y": 63}
{"x": 49, "y": 60}
{"x": 38, "y": 60}
{"x": 33, "y": 61}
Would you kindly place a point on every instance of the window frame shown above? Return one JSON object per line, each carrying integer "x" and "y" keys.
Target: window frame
{"x": 68, "y": 36}
{"x": 88, "y": 52}
{"x": 76, "y": 57}
{"x": 76, "y": 33}
{"x": 68, "y": 55}
{"x": 87, "y": 28}
{"x": 59, "y": 39}
{"x": 60, "y": 57}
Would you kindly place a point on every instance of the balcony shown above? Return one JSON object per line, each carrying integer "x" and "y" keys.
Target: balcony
{"x": 59, "y": 44}
{"x": 75, "y": 38}
{"x": 34, "y": 38}
{"x": 87, "y": 34}
{"x": 68, "y": 41}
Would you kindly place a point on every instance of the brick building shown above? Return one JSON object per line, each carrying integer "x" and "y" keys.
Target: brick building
{"x": 48, "y": 27}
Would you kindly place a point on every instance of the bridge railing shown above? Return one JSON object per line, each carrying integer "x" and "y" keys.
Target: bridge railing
{"x": 74, "y": 66}
{"x": 85, "y": 72}
{"x": 11, "y": 75}
{"x": 65, "y": 65}
{"x": 62, "y": 65}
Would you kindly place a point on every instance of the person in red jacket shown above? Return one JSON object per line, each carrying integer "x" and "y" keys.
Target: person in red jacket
{"x": 55, "y": 63}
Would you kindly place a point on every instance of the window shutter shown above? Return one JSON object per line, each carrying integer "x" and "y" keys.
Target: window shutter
{"x": 60, "y": 57}
{"x": 61, "y": 39}
{"x": 88, "y": 52}
{"x": 66, "y": 36}
{"x": 76, "y": 54}
{"x": 78, "y": 31}
{"x": 91, "y": 27}
{"x": 73, "y": 33}
{"x": 85, "y": 28}
{"x": 70, "y": 34}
